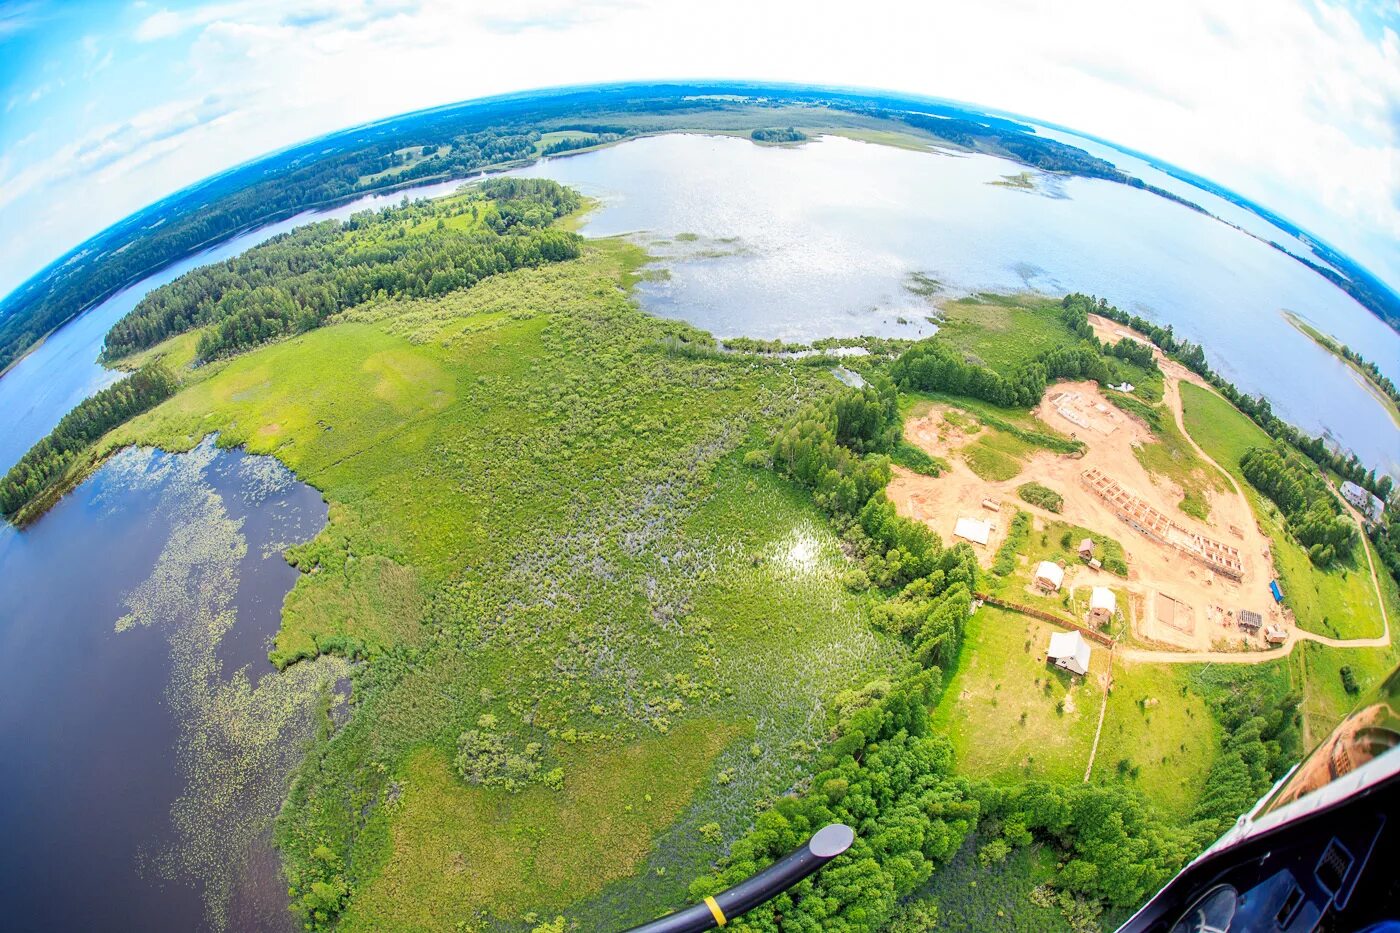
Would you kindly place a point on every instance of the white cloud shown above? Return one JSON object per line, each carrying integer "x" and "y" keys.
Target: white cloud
{"x": 1293, "y": 104}
{"x": 112, "y": 152}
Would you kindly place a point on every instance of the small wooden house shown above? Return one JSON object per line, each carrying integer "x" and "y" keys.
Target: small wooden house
{"x": 1070, "y": 651}
{"x": 1049, "y": 576}
{"x": 1102, "y": 605}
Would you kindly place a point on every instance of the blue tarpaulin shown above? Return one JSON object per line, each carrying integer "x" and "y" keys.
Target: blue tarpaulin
{"x": 1278, "y": 593}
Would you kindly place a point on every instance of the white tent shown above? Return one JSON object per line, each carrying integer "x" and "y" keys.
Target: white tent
{"x": 1070, "y": 651}
{"x": 1102, "y": 603}
{"x": 974, "y": 530}
{"x": 1049, "y": 575}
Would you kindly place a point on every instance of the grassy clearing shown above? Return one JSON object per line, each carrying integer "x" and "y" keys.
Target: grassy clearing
{"x": 177, "y": 353}
{"x": 977, "y": 898}
{"x": 914, "y": 404}
{"x": 549, "y": 139}
{"x": 1318, "y": 667}
{"x": 406, "y": 159}
{"x": 488, "y": 849}
{"x": 1005, "y": 437}
{"x": 1339, "y": 602}
{"x": 996, "y": 455}
{"x": 537, "y": 512}
{"x": 1009, "y": 714}
{"x": 1158, "y": 736}
{"x": 1004, "y": 331}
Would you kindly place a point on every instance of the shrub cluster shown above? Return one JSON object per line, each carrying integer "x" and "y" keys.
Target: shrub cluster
{"x": 1043, "y": 496}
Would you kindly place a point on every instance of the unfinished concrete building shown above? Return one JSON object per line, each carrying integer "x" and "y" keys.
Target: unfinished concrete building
{"x": 1139, "y": 514}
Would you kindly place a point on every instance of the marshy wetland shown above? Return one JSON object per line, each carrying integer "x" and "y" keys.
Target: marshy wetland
{"x": 469, "y": 607}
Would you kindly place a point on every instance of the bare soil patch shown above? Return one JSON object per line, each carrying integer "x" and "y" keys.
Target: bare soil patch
{"x": 1182, "y": 601}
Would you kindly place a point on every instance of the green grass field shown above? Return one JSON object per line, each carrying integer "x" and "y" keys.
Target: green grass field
{"x": 1009, "y": 714}
{"x": 1004, "y": 331}
{"x": 996, "y": 455}
{"x": 1157, "y": 736}
{"x": 1339, "y": 602}
{"x": 537, "y": 512}
{"x": 1171, "y": 457}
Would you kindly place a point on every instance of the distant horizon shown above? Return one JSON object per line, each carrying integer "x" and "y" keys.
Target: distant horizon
{"x": 749, "y": 84}
{"x": 112, "y": 105}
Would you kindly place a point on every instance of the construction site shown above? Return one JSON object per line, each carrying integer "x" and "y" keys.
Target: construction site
{"x": 1218, "y": 596}
{"x": 1139, "y": 514}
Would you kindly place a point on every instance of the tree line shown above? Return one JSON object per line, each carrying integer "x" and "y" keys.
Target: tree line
{"x": 45, "y": 463}
{"x": 1192, "y": 356}
{"x": 295, "y": 281}
{"x": 222, "y": 207}
{"x": 933, "y": 366}
{"x": 1385, "y": 534}
{"x": 884, "y": 772}
{"x": 1307, "y": 502}
{"x": 785, "y": 135}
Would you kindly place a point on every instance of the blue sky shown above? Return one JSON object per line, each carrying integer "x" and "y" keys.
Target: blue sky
{"x": 105, "y": 107}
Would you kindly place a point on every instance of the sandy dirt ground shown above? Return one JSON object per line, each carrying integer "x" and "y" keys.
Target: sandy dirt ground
{"x": 1181, "y": 603}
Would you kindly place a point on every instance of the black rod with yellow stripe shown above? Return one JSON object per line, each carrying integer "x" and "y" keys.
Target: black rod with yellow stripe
{"x": 717, "y": 911}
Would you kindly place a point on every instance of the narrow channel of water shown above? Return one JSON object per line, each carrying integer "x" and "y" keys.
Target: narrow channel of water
{"x": 145, "y": 740}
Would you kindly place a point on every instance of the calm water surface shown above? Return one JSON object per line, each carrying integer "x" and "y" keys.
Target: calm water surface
{"x": 821, "y": 240}
{"x": 134, "y": 627}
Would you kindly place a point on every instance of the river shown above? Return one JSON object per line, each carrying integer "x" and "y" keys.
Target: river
{"x": 145, "y": 740}
{"x": 820, "y": 240}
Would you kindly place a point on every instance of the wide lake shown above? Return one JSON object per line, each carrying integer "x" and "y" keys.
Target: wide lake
{"x": 821, "y": 240}
{"x": 145, "y": 739}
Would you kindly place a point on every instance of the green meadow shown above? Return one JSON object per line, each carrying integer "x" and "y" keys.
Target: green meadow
{"x": 536, "y": 515}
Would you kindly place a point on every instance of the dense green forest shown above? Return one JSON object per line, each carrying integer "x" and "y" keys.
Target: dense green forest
{"x": 44, "y": 464}
{"x": 1314, "y": 516}
{"x": 295, "y": 281}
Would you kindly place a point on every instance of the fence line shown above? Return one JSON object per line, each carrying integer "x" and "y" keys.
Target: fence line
{"x": 1050, "y": 617}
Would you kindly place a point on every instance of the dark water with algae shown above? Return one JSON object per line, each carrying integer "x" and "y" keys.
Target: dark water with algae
{"x": 145, "y": 740}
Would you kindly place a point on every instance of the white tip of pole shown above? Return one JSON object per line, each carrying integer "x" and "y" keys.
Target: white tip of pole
{"x": 831, "y": 840}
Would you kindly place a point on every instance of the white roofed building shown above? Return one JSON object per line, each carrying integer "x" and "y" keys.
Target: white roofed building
{"x": 1070, "y": 651}
{"x": 975, "y": 530}
{"x": 1049, "y": 576}
{"x": 1102, "y": 604}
